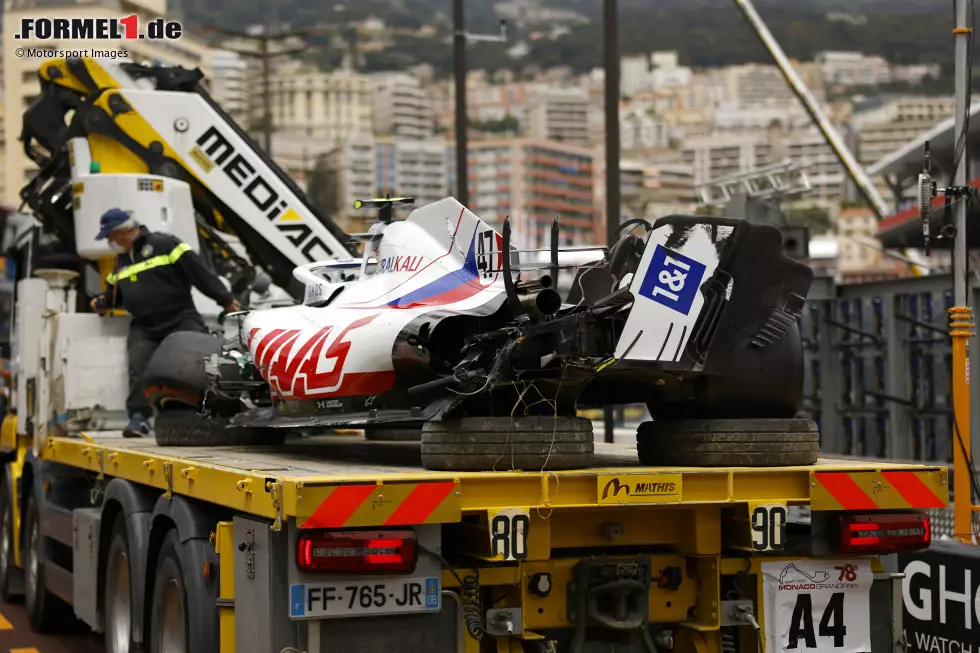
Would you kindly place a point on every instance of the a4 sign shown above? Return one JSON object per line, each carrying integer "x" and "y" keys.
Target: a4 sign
{"x": 818, "y": 606}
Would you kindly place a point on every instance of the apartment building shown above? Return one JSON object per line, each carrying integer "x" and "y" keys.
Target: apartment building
{"x": 634, "y": 75}
{"x": 887, "y": 124}
{"x": 351, "y": 169}
{"x": 640, "y": 129}
{"x": 412, "y": 168}
{"x": 298, "y": 154}
{"x": 666, "y": 71}
{"x": 401, "y": 107}
{"x": 20, "y": 83}
{"x": 531, "y": 181}
{"x": 722, "y": 154}
{"x": 328, "y": 105}
{"x": 853, "y": 68}
{"x": 231, "y": 86}
{"x": 366, "y": 166}
{"x": 488, "y": 102}
{"x": 653, "y": 190}
{"x": 559, "y": 114}
{"x": 808, "y": 148}
{"x": 715, "y": 155}
{"x": 758, "y": 85}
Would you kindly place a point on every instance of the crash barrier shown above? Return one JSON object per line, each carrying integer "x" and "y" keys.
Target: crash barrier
{"x": 878, "y": 363}
{"x": 941, "y": 598}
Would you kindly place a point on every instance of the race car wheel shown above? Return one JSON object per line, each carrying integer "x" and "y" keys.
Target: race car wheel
{"x": 188, "y": 428}
{"x": 728, "y": 442}
{"x": 505, "y": 443}
{"x": 393, "y": 434}
{"x": 176, "y": 373}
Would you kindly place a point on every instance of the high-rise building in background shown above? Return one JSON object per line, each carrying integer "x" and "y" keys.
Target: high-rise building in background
{"x": 532, "y": 181}
{"x": 231, "y": 86}
{"x": 20, "y": 81}
{"x": 401, "y": 107}
{"x": 559, "y": 114}
{"x": 366, "y": 166}
{"x": 887, "y": 124}
{"x": 320, "y": 105}
{"x": 412, "y": 168}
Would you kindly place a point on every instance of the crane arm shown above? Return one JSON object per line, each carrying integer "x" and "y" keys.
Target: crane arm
{"x": 820, "y": 118}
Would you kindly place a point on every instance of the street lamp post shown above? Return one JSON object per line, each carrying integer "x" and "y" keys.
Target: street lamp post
{"x": 611, "y": 92}
{"x": 460, "y": 39}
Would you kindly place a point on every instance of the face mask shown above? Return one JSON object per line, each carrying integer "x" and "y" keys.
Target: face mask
{"x": 117, "y": 248}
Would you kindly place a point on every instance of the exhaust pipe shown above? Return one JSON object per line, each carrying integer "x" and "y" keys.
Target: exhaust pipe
{"x": 544, "y": 302}
{"x": 534, "y": 285}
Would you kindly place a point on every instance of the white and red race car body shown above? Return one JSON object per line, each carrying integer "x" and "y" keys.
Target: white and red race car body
{"x": 687, "y": 299}
{"x": 443, "y": 258}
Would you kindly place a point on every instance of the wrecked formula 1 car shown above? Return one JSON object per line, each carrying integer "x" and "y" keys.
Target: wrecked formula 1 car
{"x": 441, "y": 330}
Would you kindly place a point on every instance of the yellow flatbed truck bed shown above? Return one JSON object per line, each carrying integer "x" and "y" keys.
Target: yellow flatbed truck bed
{"x": 336, "y": 543}
{"x": 310, "y": 469}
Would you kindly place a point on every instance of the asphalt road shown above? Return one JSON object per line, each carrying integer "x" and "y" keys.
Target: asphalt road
{"x": 16, "y": 636}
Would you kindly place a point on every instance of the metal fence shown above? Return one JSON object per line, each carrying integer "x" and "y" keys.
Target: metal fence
{"x": 878, "y": 364}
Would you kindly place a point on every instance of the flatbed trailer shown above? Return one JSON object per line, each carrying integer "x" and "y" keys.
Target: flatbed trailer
{"x": 336, "y": 543}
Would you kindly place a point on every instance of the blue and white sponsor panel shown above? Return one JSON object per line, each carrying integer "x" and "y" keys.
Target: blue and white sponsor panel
{"x": 666, "y": 291}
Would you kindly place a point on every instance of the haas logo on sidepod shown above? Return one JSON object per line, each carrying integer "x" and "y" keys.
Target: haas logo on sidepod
{"x": 290, "y": 360}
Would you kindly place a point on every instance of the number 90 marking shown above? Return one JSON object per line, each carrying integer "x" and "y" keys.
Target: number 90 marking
{"x": 768, "y": 524}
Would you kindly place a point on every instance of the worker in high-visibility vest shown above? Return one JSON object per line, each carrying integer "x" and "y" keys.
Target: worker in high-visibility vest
{"x": 152, "y": 281}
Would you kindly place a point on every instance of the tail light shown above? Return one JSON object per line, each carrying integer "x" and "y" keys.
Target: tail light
{"x": 360, "y": 552}
{"x": 885, "y": 533}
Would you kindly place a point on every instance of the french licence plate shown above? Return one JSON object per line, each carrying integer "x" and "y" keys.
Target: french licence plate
{"x": 360, "y": 598}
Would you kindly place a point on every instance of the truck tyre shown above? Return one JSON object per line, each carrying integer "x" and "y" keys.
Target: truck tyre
{"x": 46, "y": 612}
{"x": 9, "y": 573}
{"x": 728, "y": 442}
{"x": 118, "y": 592}
{"x": 176, "y": 371}
{"x": 393, "y": 434}
{"x": 169, "y": 623}
{"x": 505, "y": 443}
{"x": 187, "y": 428}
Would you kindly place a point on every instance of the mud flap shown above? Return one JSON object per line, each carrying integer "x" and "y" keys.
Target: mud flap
{"x": 612, "y": 594}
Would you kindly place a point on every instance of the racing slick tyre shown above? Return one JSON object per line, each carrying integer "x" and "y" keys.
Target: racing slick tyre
{"x": 188, "y": 428}
{"x": 176, "y": 371}
{"x": 393, "y": 434}
{"x": 506, "y": 444}
{"x": 728, "y": 442}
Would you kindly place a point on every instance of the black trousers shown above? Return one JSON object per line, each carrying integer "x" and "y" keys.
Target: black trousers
{"x": 142, "y": 344}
